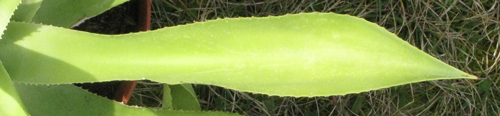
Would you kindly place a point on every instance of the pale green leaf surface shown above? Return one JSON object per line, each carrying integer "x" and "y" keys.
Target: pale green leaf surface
{"x": 26, "y": 10}
{"x": 69, "y": 100}
{"x": 311, "y": 54}
{"x": 11, "y": 104}
{"x": 66, "y": 13}
{"x": 183, "y": 97}
{"x": 7, "y": 8}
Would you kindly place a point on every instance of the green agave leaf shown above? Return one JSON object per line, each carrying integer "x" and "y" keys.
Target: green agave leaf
{"x": 26, "y": 10}
{"x": 180, "y": 97}
{"x": 167, "y": 97}
{"x": 184, "y": 98}
{"x": 310, "y": 54}
{"x": 7, "y": 8}
{"x": 69, "y": 100}
{"x": 66, "y": 13}
{"x": 11, "y": 103}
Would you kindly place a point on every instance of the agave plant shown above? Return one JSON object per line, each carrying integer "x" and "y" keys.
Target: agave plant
{"x": 298, "y": 55}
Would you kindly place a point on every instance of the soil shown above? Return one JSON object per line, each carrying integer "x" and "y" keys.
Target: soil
{"x": 118, "y": 20}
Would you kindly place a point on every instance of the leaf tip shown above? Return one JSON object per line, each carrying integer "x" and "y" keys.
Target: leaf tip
{"x": 466, "y": 75}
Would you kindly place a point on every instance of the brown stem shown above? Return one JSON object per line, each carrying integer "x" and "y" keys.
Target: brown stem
{"x": 145, "y": 15}
{"x": 125, "y": 91}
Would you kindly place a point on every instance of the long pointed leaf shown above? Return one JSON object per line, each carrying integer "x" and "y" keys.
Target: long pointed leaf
{"x": 69, "y": 100}
{"x": 184, "y": 98}
{"x": 7, "y": 8}
{"x": 312, "y": 54}
{"x": 167, "y": 97}
{"x": 66, "y": 13}
{"x": 11, "y": 103}
{"x": 26, "y": 10}
{"x": 180, "y": 97}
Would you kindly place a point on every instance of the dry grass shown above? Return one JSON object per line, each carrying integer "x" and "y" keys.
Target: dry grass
{"x": 464, "y": 34}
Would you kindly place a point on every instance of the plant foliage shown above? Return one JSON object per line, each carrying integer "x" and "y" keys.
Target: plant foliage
{"x": 299, "y": 55}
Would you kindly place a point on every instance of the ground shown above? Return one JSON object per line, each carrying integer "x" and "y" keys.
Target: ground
{"x": 464, "y": 34}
